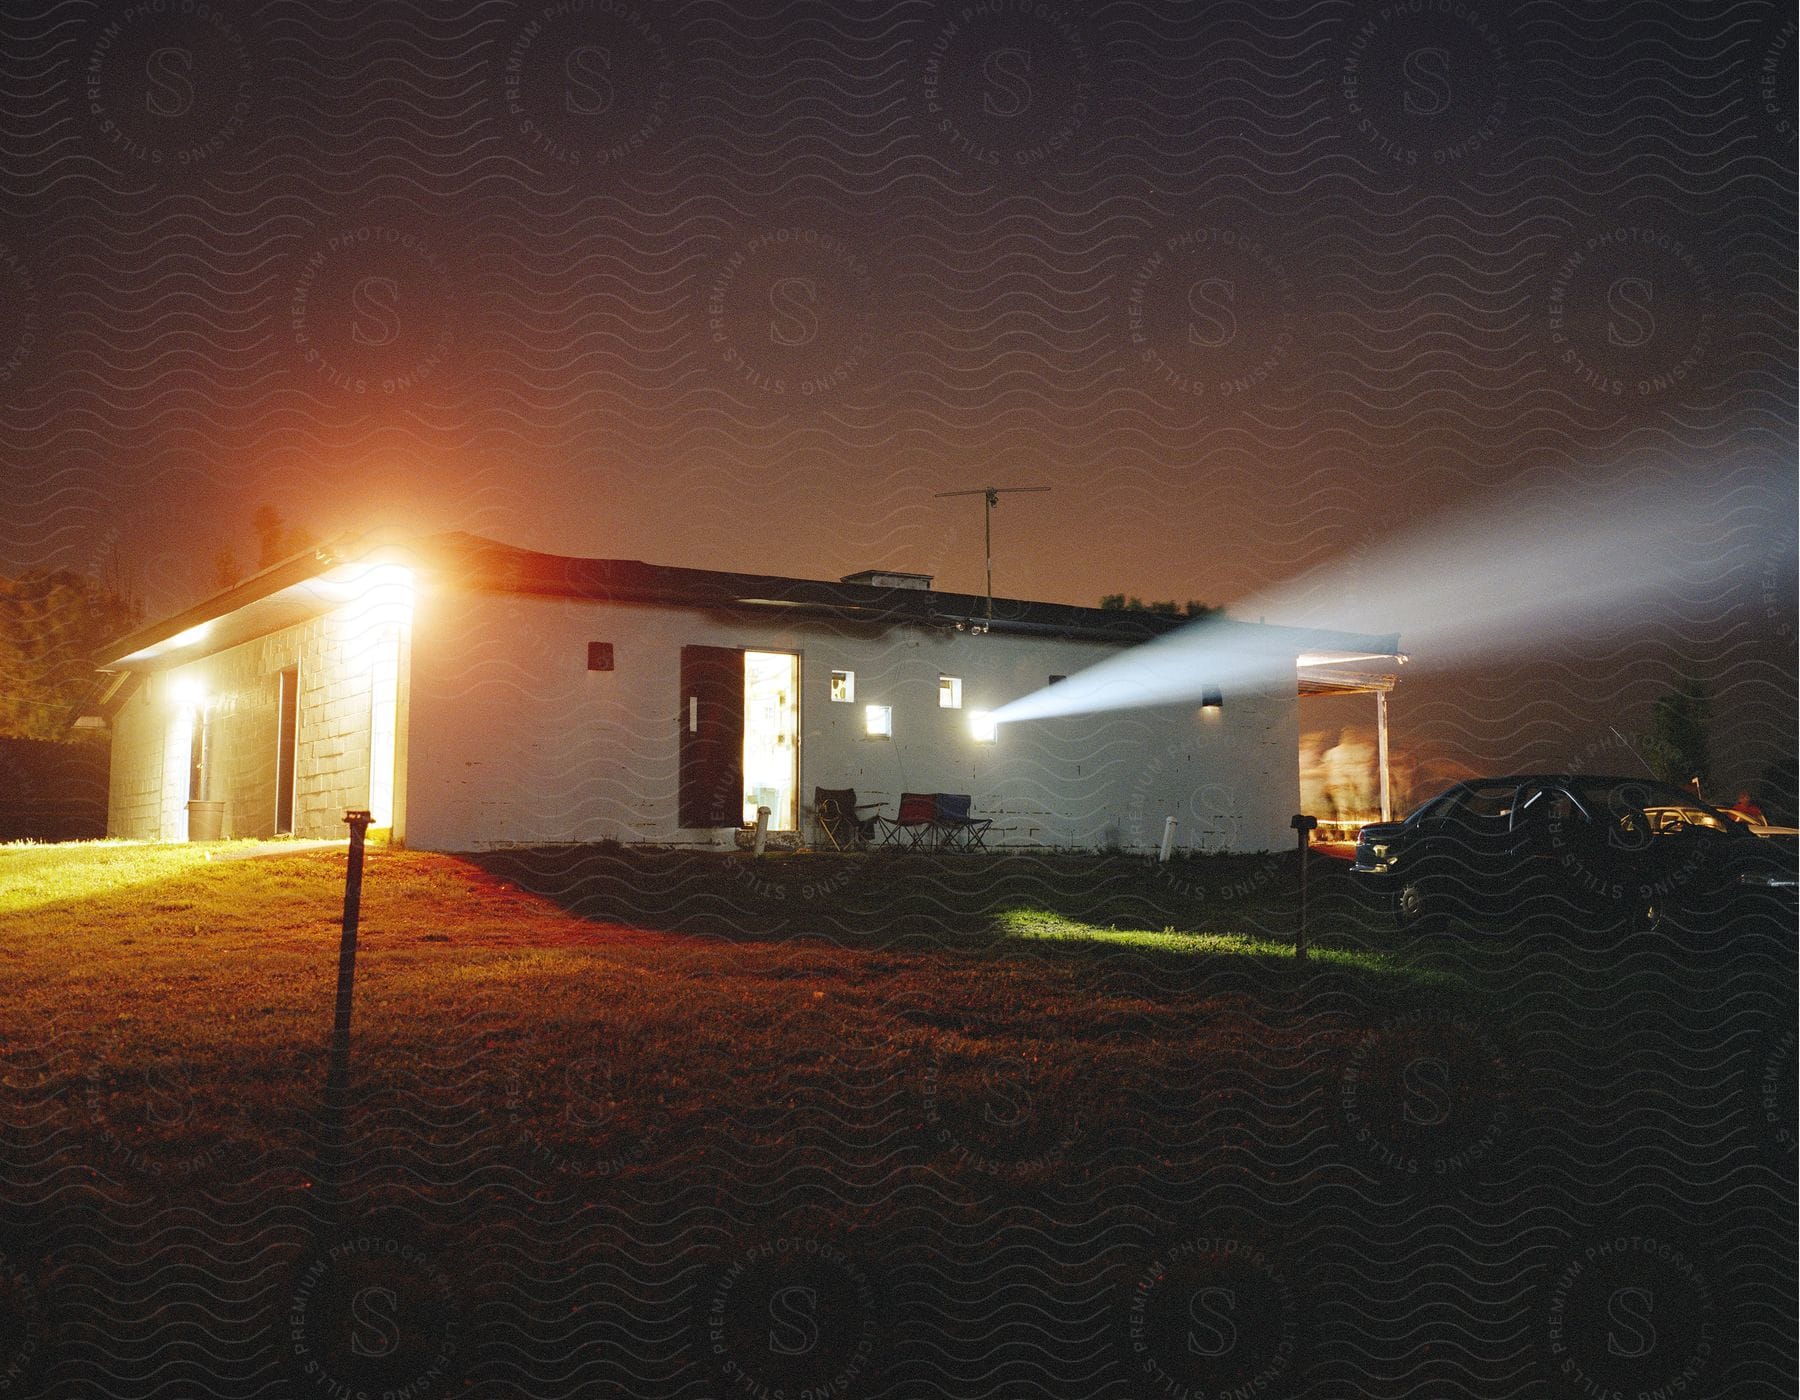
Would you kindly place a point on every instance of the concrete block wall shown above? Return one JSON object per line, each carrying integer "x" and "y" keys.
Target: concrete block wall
{"x": 512, "y": 739}
{"x": 241, "y": 686}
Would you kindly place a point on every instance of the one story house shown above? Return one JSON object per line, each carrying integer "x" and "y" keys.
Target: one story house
{"x": 473, "y": 694}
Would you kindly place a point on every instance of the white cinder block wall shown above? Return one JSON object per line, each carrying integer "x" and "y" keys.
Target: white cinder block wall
{"x": 512, "y": 739}
{"x": 150, "y": 740}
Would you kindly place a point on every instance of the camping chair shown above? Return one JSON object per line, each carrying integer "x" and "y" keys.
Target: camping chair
{"x": 914, "y": 825}
{"x": 837, "y": 819}
{"x": 960, "y": 831}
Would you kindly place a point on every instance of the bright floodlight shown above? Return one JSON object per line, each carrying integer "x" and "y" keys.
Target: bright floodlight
{"x": 983, "y": 726}
{"x": 188, "y": 693}
{"x": 1549, "y": 562}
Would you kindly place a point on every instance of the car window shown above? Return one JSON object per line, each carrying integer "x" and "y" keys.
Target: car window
{"x": 1481, "y": 806}
{"x": 1672, "y": 820}
{"x": 1434, "y": 808}
{"x": 1542, "y": 808}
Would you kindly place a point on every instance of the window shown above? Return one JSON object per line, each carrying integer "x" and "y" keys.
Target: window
{"x": 1056, "y": 680}
{"x": 949, "y": 692}
{"x": 878, "y": 721}
{"x": 1486, "y": 807}
{"x": 843, "y": 687}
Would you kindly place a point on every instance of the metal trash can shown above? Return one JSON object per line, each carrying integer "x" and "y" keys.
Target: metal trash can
{"x": 206, "y": 820}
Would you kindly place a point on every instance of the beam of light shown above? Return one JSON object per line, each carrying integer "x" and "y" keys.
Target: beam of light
{"x": 1494, "y": 577}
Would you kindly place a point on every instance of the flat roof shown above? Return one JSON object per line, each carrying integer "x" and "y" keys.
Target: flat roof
{"x": 321, "y": 578}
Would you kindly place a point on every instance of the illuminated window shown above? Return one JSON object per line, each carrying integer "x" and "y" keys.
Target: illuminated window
{"x": 982, "y": 726}
{"x": 878, "y": 721}
{"x": 949, "y": 692}
{"x": 843, "y": 687}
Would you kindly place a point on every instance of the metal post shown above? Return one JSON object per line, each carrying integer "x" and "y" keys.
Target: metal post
{"x": 1168, "y": 841}
{"x": 987, "y": 537}
{"x": 762, "y": 831}
{"x": 1381, "y": 751}
{"x": 1303, "y": 828}
{"x": 337, "y": 1080}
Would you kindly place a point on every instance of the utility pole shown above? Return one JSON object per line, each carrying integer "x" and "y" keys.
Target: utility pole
{"x": 990, "y": 498}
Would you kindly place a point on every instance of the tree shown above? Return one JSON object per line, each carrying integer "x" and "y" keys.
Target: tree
{"x": 1119, "y": 602}
{"x": 1777, "y": 790}
{"x": 51, "y": 625}
{"x": 275, "y": 540}
{"x": 1676, "y": 748}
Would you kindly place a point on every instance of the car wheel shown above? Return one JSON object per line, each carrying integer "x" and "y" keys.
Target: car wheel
{"x": 1416, "y": 907}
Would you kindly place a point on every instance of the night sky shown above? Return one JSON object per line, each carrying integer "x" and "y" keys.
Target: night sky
{"x": 742, "y": 286}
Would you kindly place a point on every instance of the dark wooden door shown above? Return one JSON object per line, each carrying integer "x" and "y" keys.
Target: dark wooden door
{"x": 711, "y": 747}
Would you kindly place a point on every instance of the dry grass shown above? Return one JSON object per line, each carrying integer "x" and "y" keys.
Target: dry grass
{"x": 568, "y": 1017}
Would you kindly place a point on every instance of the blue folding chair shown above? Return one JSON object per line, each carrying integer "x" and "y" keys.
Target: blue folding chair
{"x": 960, "y": 831}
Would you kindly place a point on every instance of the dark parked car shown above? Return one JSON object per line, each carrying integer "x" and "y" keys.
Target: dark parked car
{"x": 1596, "y": 852}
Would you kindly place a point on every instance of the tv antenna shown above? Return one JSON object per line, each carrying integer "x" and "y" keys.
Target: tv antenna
{"x": 990, "y": 498}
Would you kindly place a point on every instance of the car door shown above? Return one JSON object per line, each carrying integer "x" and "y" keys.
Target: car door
{"x": 1465, "y": 846}
{"x": 1548, "y": 839}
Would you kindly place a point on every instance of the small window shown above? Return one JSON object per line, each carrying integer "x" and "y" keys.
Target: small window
{"x": 949, "y": 692}
{"x": 600, "y": 656}
{"x": 878, "y": 721}
{"x": 1057, "y": 680}
{"x": 843, "y": 687}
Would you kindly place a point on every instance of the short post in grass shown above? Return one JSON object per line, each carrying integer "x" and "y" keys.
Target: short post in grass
{"x": 337, "y": 1082}
{"x": 1168, "y": 842}
{"x": 1303, "y": 828}
{"x": 762, "y": 831}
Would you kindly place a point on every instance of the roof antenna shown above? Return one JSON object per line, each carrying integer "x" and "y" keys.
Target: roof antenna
{"x": 991, "y": 498}
{"x": 1634, "y": 753}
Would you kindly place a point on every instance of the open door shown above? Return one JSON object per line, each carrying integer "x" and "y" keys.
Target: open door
{"x": 772, "y": 737}
{"x": 711, "y": 747}
{"x": 287, "y": 734}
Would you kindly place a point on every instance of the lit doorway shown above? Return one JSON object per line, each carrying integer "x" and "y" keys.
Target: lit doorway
{"x": 772, "y": 737}
{"x": 287, "y": 734}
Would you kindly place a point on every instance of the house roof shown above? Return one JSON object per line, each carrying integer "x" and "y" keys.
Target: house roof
{"x": 322, "y": 578}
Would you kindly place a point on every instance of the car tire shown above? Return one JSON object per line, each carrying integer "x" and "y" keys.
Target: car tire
{"x": 1417, "y": 907}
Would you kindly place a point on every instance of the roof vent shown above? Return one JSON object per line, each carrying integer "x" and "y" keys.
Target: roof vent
{"x": 889, "y": 578}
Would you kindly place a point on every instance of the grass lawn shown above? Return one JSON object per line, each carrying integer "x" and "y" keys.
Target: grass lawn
{"x": 603, "y": 1014}
{"x": 962, "y": 1095}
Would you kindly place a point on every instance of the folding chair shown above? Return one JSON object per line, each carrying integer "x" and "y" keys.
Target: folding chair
{"x": 960, "y": 831}
{"x": 837, "y": 820}
{"x": 914, "y": 826}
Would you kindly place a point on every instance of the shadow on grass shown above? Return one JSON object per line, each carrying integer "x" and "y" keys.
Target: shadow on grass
{"x": 1180, "y": 926}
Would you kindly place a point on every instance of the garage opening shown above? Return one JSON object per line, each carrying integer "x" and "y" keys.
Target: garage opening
{"x": 772, "y": 737}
